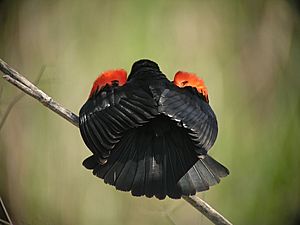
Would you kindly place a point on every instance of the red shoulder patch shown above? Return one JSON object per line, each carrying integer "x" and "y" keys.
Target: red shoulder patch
{"x": 183, "y": 79}
{"x": 108, "y": 77}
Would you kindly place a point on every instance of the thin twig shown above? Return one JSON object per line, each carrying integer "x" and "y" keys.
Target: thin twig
{"x": 6, "y": 214}
{"x": 206, "y": 210}
{"x": 25, "y": 85}
{"x": 18, "y": 98}
{"x": 4, "y": 222}
{"x": 22, "y": 83}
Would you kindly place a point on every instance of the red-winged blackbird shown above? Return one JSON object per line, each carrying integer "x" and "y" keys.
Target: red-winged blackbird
{"x": 150, "y": 136}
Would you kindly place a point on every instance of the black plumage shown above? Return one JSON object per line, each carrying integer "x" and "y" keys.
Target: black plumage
{"x": 147, "y": 136}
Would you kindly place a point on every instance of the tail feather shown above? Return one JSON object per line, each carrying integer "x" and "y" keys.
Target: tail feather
{"x": 138, "y": 186}
{"x": 151, "y": 168}
{"x": 115, "y": 161}
{"x": 217, "y": 168}
{"x": 157, "y": 162}
{"x": 205, "y": 173}
{"x": 126, "y": 177}
{"x": 114, "y": 172}
{"x": 170, "y": 162}
{"x": 186, "y": 185}
{"x": 156, "y": 172}
{"x": 199, "y": 183}
{"x": 90, "y": 162}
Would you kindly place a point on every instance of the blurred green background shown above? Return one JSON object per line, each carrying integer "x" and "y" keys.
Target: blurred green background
{"x": 248, "y": 53}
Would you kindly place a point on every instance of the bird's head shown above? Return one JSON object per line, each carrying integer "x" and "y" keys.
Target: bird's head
{"x": 110, "y": 77}
{"x": 184, "y": 79}
{"x": 144, "y": 69}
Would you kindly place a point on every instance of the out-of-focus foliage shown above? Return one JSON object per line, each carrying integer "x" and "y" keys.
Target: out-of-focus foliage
{"x": 248, "y": 52}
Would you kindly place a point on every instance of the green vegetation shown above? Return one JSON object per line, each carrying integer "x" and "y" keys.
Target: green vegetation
{"x": 248, "y": 53}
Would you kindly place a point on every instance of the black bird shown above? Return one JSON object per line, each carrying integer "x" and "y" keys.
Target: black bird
{"x": 148, "y": 135}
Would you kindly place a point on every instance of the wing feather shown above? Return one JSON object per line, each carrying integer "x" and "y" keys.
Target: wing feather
{"x": 112, "y": 111}
{"x": 186, "y": 106}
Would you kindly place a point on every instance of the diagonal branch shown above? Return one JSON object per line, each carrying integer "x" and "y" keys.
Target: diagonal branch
{"x": 18, "y": 98}
{"x": 22, "y": 83}
{"x": 206, "y": 210}
{"x": 25, "y": 85}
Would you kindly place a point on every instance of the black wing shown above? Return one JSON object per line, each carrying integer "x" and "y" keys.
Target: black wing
{"x": 109, "y": 113}
{"x": 187, "y": 107}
